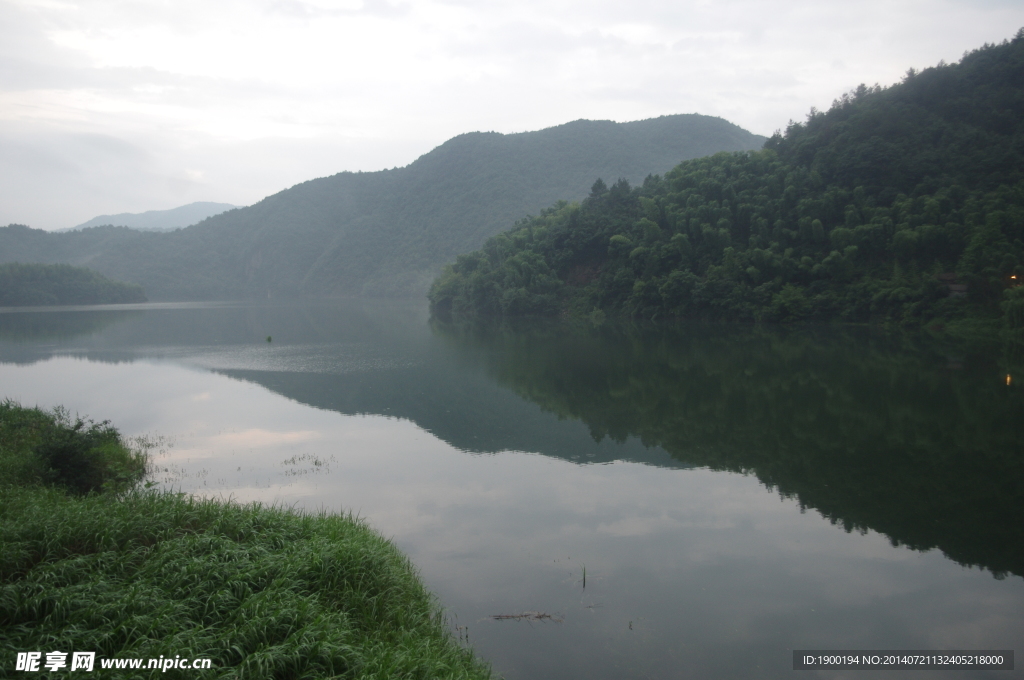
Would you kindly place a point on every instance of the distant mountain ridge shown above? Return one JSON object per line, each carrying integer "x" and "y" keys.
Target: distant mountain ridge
{"x": 383, "y": 233}
{"x": 160, "y": 220}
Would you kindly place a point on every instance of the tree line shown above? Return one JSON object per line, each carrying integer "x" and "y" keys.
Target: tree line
{"x": 903, "y": 203}
{"x": 61, "y": 284}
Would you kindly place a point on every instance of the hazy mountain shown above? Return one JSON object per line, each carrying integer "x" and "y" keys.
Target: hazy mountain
{"x": 161, "y": 220}
{"x": 385, "y": 232}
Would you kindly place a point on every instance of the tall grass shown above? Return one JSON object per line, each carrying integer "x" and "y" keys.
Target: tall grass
{"x": 263, "y": 592}
{"x": 50, "y": 447}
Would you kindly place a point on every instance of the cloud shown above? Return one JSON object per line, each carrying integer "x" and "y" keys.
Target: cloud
{"x": 260, "y": 438}
{"x": 200, "y": 91}
{"x": 56, "y": 176}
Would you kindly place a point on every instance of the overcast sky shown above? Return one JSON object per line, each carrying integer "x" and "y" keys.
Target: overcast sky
{"x": 110, "y": 106}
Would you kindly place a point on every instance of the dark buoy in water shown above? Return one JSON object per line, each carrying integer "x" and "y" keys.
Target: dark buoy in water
{"x": 268, "y": 338}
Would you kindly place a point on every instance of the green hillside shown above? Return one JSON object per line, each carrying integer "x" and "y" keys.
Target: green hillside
{"x": 61, "y": 284}
{"x": 902, "y": 203}
{"x": 387, "y": 232}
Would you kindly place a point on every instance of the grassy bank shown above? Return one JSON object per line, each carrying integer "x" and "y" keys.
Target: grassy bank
{"x": 127, "y": 573}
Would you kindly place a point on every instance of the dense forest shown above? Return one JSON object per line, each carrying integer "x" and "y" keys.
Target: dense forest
{"x": 61, "y": 284}
{"x": 385, "y": 233}
{"x": 903, "y": 203}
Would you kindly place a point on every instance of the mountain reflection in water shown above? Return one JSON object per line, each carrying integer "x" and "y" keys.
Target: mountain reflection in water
{"x": 504, "y": 461}
{"x": 893, "y": 433}
{"x": 873, "y": 432}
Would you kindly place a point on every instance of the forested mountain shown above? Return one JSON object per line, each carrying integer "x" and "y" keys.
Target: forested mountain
{"x": 61, "y": 284}
{"x": 387, "y": 232}
{"x": 160, "y": 220}
{"x": 905, "y": 202}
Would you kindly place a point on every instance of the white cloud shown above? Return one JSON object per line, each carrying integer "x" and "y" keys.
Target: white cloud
{"x": 200, "y": 91}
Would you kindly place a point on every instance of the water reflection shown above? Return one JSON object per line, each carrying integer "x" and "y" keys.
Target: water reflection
{"x": 34, "y": 327}
{"x": 873, "y": 432}
{"x": 472, "y": 450}
{"x": 353, "y": 358}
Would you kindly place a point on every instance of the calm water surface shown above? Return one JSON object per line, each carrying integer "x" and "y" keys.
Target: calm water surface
{"x": 731, "y": 494}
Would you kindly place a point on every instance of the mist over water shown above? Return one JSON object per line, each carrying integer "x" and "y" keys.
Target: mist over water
{"x": 730, "y": 493}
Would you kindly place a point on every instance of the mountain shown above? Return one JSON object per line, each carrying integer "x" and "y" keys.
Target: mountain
{"x": 61, "y": 284}
{"x": 386, "y": 232}
{"x": 161, "y": 220}
{"x": 903, "y": 203}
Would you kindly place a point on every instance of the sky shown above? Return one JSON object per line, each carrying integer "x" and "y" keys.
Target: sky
{"x": 111, "y": 106}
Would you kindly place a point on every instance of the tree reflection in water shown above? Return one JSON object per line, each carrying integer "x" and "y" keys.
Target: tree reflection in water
{"x": 922, "y": 443}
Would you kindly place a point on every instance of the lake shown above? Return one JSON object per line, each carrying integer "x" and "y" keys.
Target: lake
{"x": 679, "y": 501}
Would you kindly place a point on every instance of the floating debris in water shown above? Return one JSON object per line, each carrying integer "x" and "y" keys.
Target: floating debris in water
{"x": 318, "y": 464}
{"x": 527, "y": 616}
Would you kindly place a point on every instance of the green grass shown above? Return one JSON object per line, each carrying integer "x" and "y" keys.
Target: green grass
{"x": 52, "y": 448}
{"x": 263, "y": 592}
